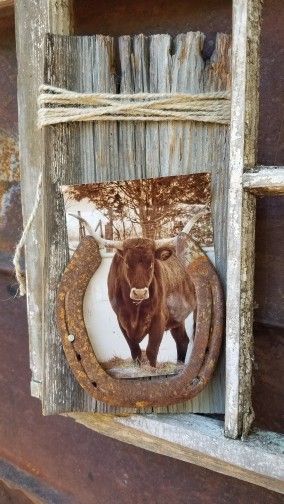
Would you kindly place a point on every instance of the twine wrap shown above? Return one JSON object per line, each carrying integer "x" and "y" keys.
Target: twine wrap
{"x": 58, "y": 105}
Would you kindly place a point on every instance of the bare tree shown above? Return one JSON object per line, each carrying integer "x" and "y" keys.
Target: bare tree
{"x": 157, "y": 206}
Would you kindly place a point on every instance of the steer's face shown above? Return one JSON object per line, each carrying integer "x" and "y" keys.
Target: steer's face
{"x": 139, "y": 256}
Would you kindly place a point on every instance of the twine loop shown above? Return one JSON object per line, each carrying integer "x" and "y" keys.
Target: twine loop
{"x": 58, "y": 105}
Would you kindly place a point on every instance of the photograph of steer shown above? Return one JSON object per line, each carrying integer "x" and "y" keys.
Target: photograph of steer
{"x": 139, "y": 308}
{"x": 151, "y": 292}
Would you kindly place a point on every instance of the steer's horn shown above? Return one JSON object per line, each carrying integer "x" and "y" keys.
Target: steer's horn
{"x": 102, "y": 242}
{"x": 187, "y": 228}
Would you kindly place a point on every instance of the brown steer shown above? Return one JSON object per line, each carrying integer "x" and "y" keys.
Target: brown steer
{"x": 150, "y": 292}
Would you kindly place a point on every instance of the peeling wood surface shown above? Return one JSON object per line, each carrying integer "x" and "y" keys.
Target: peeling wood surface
{"x": 82, "y": 153}
{"x": 200, "y": 441}
{"x": 264, "y": 180}
{"x": 241, "y": 215}
{"x": 33, "y": 20}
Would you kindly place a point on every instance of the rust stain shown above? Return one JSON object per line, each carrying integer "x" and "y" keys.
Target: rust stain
{"x": 220, "y": 62}
{"x": 10, "y": 218}
{"x": 183, "y": 55}
{"x": 9, "y": 158}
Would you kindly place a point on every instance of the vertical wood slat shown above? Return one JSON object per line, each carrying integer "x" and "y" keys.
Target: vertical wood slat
{"x": 94, "y": 152}
{"x": 241, "y": 216}
{"x": 33, "y": 20}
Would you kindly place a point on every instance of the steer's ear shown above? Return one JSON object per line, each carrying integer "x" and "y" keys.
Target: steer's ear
{"x": 163, "y": 253}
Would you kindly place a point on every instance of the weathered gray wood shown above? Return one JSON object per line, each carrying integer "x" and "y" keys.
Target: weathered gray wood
{"x": 33, "y": 19}
{"x": 95, "y": 152}
{"x": 60, "y": 144}
{"x": 241, "y": 211}
{"x": 264, "y": 180}
{"x": 199, "y": 440}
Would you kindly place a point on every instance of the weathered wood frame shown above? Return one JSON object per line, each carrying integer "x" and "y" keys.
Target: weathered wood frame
{"x": 32, "y": 22}
{"x": 241, "y": 216}
{"x": 204, "y": 450}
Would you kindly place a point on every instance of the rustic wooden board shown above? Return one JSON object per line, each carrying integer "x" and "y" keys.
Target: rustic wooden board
{"x": 82, "y": 153}
{"x": 265, "y": 180}
{"x": 241, "y": 216}
{"x": 33, "y": 20}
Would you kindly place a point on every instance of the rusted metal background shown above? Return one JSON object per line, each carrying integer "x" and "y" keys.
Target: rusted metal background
{"x": 65, "y": 455}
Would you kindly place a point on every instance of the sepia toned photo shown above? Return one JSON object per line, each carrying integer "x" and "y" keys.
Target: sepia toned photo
{"x": 139, "y": 307}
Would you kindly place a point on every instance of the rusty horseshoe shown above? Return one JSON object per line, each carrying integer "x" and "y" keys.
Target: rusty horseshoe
{"x": 141, "y": 393}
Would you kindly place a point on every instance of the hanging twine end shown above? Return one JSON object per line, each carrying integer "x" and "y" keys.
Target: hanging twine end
{"x": 19, "y": 274}
{"x": 22, "y": 283}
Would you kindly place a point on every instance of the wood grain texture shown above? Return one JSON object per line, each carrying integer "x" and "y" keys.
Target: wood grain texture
{"x": 82, "y": 153}
{"x": 33, "y": 20}
{"x": 241, "y": 216}
{"x": 199, "y": 441}
{"x": 264, "y": 180}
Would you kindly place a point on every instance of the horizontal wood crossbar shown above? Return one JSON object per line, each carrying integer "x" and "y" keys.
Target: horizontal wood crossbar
{"x": 198, "y": 440}
{"x": 264, "y": 180}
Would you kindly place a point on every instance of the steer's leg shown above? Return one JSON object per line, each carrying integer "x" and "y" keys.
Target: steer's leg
{"x": 133, "y": 345}
{"x": 180, "y": 336}
{"x": 155, "y": 337}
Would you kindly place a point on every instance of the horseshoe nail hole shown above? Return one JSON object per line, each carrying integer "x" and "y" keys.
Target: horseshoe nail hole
{"x": 195, "y": 381}
{"x": 94, "y": 383}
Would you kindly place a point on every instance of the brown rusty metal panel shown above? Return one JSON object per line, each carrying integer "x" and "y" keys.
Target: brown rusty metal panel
{"x": 10, "y": 203}
{"x": 269, "y": 271}
{"x": 268, "y": 396}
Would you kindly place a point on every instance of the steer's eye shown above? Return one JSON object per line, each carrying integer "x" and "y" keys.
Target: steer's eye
{"x": 151, "y": 266}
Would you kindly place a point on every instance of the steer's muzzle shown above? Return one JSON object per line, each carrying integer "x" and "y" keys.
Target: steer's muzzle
{"x": 139, "y": 294}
